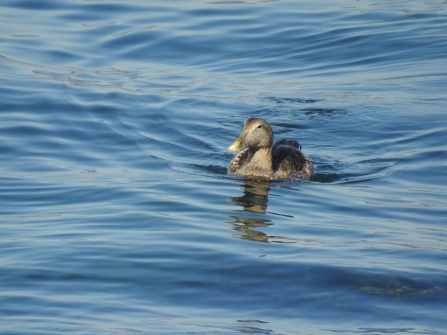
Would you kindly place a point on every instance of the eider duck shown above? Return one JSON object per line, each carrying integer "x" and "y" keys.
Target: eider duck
{"x": 260, "y": 159}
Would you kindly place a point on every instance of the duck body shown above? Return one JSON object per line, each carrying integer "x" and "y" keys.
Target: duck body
{"x": 260, "y": 159}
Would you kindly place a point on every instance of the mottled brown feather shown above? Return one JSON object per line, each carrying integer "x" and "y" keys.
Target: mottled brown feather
{"x": 286, "y": 162}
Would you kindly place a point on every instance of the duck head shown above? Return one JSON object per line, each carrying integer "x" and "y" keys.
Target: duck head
{"x": 256, "y": 134}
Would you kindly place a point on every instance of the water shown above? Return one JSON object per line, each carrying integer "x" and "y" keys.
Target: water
{"x": 117, "y": 216}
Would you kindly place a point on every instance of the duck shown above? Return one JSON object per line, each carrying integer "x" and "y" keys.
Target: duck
{"x": 260, "y": 159}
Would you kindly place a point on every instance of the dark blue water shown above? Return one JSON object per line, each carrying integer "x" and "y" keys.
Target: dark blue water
{"x": 116, "y": 213}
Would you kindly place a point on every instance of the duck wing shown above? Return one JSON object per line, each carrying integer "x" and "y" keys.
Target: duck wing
{"x": 288, "y": 159}
{"x": 238, "y": 161}
{"x": 289, "y": 162}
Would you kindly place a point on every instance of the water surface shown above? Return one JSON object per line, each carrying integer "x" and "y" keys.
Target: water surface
{"x": 117, "y": 215}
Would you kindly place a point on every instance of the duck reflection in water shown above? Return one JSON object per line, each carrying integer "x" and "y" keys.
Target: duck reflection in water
{"x": 253, "y": 200}
{"x": 255, "y": 196}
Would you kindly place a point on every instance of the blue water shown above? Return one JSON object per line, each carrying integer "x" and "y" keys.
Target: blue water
{"x": 116, "y": 212}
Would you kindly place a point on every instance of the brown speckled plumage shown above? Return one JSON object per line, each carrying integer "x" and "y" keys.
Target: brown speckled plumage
{"x": 259, "y": 159}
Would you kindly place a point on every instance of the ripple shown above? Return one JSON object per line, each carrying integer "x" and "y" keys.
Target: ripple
{"x": 118, "y": 210}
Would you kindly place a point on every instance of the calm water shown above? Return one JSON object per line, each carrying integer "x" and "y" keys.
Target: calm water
{"x": 116, "y": 213}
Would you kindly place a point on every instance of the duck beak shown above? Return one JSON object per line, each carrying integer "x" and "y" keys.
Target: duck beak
{"x": 236, "y": 146}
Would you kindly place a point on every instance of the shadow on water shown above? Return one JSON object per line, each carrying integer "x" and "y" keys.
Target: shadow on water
{"x": 279, "y": 100}
{"x": 398, "y": 287}
{"x": 253, "y": 329}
